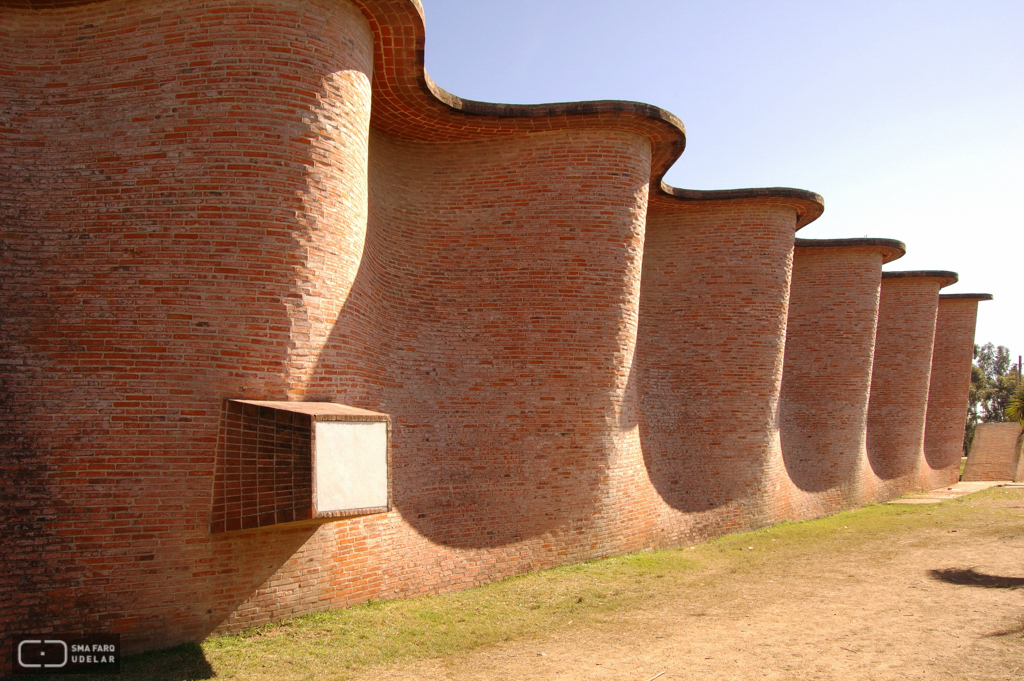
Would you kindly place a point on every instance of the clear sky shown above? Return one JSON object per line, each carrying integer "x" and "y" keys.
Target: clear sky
{"x": 907, "y": 116}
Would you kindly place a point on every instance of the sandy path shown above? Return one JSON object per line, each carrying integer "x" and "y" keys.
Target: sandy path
{"x": 870, "y": 612}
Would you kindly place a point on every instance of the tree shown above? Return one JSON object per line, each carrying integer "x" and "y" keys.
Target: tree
{"x": 1015, "y": 406}
{"x": 993, "y": 386}
{"x": 994, "y": 361}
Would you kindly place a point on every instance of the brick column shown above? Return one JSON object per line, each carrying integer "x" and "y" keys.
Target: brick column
{"x": 949, "y": 387}
{"x": 900, "y": 377}
{"x": 826, "y": 379}
{"x": 182, "y": 206}
{"x": 710, "y": 346}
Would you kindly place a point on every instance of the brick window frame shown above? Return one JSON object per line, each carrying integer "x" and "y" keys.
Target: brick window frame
{"x": 266, "y": 469}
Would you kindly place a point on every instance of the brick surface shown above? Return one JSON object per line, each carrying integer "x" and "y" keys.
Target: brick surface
{"x": 826, "y": 380}
{"x": 995, "y": 452}
{"x": 907, "y": 310}
{"x": 182, "y": 204}
{"x": 948, "y": 389}
{"x": 196, "y": 204}
{"x": 713, "y": 318}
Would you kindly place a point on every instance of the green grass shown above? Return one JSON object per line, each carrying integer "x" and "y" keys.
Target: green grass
{"x": 383, "y": 632}
{"x": 338, "y": 643}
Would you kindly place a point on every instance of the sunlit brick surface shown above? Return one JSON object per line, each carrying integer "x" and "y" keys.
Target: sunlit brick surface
{"x": 826, "y": 379}
{"x": 899, "y": 382}
{"x": 182, "y": 208}
{"x": 713, "y": 319}
{"x": 948, "y": 389}
{"x": 197, "y": 205}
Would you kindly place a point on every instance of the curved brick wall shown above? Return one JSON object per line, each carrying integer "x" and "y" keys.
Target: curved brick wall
{"x": 710, "y": 345}
{"x": 188, "y": 223}
{"x": 183, "y": 191}
{"x": 826, "y": 378}
{"x": 578, "y": 360}
{"x": 509, "y": 321}
{"x": 949, "y": 388}
{"x": 513, "y": 313}
{"x": 899, "y": 382}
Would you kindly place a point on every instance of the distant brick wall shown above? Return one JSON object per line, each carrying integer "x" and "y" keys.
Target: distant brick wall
{"x": 948, "y": 390}
{"x": 826, "y": 379}
{"x": 899, "y": 382}
{"x": 994, "y": 452}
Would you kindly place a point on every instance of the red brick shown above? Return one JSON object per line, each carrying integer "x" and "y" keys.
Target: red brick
{"x": 900, "y": 378}
{"x": 826, "y": 379}
{"x": 949, "y": 387}
{"x": 196, "y": 204}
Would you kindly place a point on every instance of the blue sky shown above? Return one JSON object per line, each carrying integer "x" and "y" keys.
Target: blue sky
{"x": 907, "y": 116}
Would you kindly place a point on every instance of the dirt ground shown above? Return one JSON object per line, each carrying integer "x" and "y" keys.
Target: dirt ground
{"x": 938, "y": 603}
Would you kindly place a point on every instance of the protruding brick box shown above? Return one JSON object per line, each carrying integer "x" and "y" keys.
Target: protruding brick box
{"x": 283, "y": 462}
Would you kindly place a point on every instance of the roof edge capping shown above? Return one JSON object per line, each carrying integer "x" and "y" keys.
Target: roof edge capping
{"x": 966, "y": 296}
{"x": 673, "y": 148}
{"x": 404, "y": 91}
{"x": 809, "y": 205}
{"x": 949, "y": 278}
{"x": 472, "y": 107}
{"x": 891, "y": 249}
{"x": 668, "y": 143}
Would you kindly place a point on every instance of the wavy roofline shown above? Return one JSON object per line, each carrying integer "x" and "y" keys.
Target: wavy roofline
{"x": 808, "y": 205}
{"x": 664, "y": 129}
{"x": 408, "y": 104}
{"x": 949, "y": 278}
{"x": 891, "y": 249}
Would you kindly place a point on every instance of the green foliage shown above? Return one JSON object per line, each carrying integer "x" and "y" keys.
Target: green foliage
{"x": 993, "y": 361}
{"x": 1015, "y": 406}
{"x": 993, "y": 385}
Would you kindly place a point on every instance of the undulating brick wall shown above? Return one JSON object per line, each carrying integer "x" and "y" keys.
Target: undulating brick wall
{"x": 826, "y": 378}
{"x": 948, "y": 388}
{"x": 907, "y": 310}
{"x": 196, "y": 205}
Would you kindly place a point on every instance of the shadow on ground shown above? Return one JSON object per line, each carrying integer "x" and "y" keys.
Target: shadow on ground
{"x": 186, "y": 662}
{"x": 1012, "y": 631}
{"x": 970, "y": 577}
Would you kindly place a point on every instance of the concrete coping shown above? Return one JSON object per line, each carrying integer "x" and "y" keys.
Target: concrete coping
{"x": 966, "y": 296}
{"x": 891, "y": 249}
{"x": 317, "y": 409}
{"x": 808, "y": 205}
{"x": 948, "y": 278}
